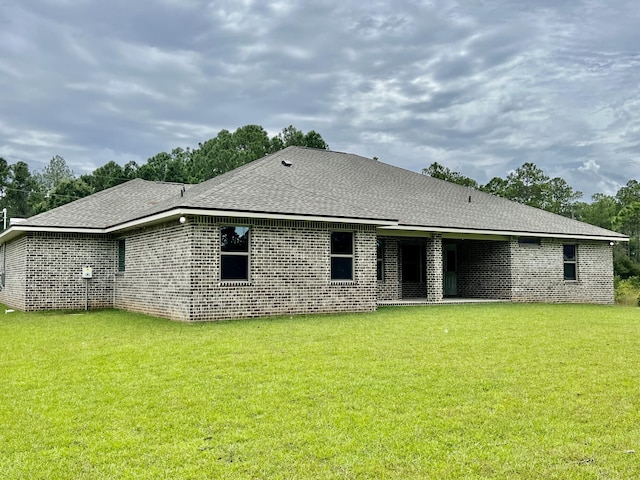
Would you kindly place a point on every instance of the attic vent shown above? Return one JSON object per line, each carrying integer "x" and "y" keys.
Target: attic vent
{"x": 286, "y": 163}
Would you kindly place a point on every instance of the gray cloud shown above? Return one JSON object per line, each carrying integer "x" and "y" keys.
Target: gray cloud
{"x": 480, "y": 87}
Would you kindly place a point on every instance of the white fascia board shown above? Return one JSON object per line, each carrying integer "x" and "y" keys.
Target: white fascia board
{"x": 183, "y": 212}
{"x": 16, "y": 230}
{"x": 504, "y": 233}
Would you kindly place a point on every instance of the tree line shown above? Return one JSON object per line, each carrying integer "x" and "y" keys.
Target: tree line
{"x": 529, "y": 184}
{"x": 24, "y": 193}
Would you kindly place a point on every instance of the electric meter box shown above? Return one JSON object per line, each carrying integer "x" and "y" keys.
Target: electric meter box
{"x": 87, "y": 272}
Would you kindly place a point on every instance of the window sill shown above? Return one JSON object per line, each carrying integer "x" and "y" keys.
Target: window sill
{"x": 343, "y": 282}
{"x": 234, "y": 283}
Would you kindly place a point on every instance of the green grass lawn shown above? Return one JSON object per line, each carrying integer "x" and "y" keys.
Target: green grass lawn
{"x": 474, "y": 391}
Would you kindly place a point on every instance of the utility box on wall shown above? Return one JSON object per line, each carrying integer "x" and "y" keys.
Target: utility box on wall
{"x": 87, "y": 272}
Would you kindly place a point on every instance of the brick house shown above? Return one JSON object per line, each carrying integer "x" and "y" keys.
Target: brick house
{"x": 299, "y": 231}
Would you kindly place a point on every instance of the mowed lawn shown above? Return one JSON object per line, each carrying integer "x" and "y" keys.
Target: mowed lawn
{"x": 473, "y": 391}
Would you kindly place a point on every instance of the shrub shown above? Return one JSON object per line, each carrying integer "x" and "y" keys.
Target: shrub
{"x": 627, "y": 292}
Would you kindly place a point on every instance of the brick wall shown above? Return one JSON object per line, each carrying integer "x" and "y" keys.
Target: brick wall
{"x": 434, "y": 268}
{"x": 156, "y": 280}
{"x": 289, "y": 271}
{"x": 484, "y": 269}
{"x": 538, "y": 273}
{"x": 173, "y": 271}
{"x": 44, "y": 272}
{"x": 15, "y": 258}
{"x": 505, "y": 270}
{"x": 390, "y": 288}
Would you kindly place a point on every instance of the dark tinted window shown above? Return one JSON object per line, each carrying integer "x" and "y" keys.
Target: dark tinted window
{"x": 380, "y": 260}
{"x": 235, "y": 239}
{"x": 570, "y": 271}
{"x": 570, "y": 262}
{"x": 234, "y": 256}
{"x": 341, "y": 255}
{"x": 235, "y": 267}
{"x": 341, "y": 268}
{"x": 569, "y": 252}
{"x": 342, "y": 243}
{"x": 121, "y": 256}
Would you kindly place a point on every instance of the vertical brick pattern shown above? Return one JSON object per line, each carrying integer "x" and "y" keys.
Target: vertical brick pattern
{"x": 538, "y": 273}
{"x": 484, "y": 269}
{"x": 390, "y": 287}
{"x": 14, "y": 292}
{"x": 434, "y": 268}
{"x": 44, "y": 271}
{"x": 157, "y": 279}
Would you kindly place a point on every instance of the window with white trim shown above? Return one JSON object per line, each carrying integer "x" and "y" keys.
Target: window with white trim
{"x": 570, "y": 258}
{"x": 234, "y": 253}
{"x": 341, "y": 256}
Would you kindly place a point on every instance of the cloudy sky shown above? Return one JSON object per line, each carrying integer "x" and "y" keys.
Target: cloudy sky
{"x": 479, "y": 86}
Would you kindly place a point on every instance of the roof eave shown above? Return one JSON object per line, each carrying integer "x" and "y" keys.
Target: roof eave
{"x": 186, "y": 211}
{"x": 504, "y": 233}
{"x": 382, "y": 224}
{"x": 160, "y": 217}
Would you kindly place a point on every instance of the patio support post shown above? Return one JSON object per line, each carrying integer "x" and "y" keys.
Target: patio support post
{"x": 434, "y": 268}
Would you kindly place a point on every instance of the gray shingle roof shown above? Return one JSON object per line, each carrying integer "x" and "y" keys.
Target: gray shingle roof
{"x": 128, "y": 201}
{"x": 327, "y": 184}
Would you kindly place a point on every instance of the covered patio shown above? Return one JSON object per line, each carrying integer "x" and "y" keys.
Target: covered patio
{"x": 425, "y": 269}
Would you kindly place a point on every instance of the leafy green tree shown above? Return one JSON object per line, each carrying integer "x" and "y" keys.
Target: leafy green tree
{"x": 52, "y": 174}
{"x": 228, "y": 150}
{"x": 623, "y": 266}
{"x": 600, "y": 212}
{"x": 67, "y": 191}
{"x": 527, "y": 185}
{"x": 496, "y": 186}
{"x": 19, "y": 191}
{"x": 107, "y": 176}
{"x": 4, "y": 177}
{"x": 558, "y": 197}
{"x": 630, "y": 193}
{"x": 130, "y": 170}
{"x": 436, "y": 170}
{"x": 250, "y": 142}
{"x": 627, "y": 221}
{"x": 165, "y": 167}
{"x": 291, "y": 136}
